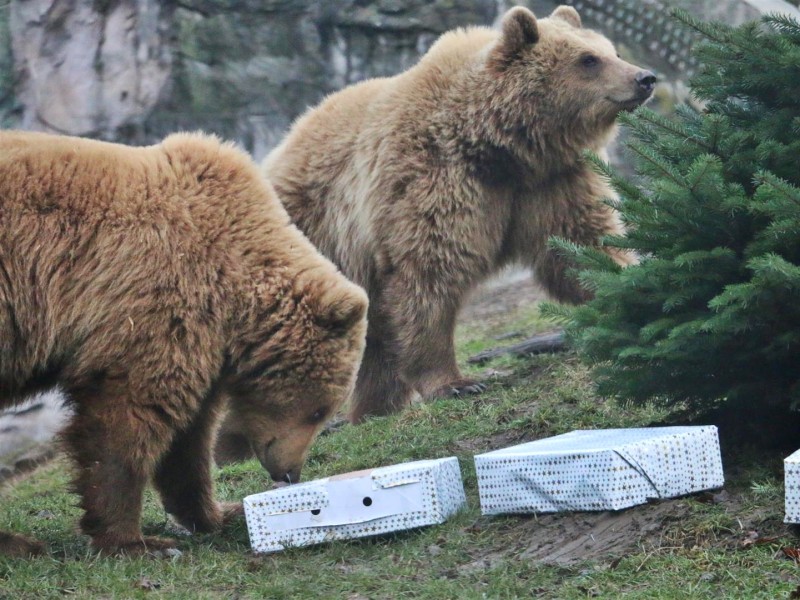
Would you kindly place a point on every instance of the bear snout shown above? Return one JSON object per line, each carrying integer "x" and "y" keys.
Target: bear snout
{"x": 288, "y": 477}
{"x": 273, "y": 464}
{"x": 646, "y": 81}
{"x": 283, "y": 475}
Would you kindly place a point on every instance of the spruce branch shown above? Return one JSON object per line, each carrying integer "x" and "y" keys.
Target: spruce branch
{"x": 646, "y": 154}
{"x": 620, "y": 184}
{"x": 787, "y": 191}
{"x": 785, "y": 24}
{"x": 670, "y": 126}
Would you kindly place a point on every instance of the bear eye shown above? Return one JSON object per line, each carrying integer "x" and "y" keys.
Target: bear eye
{"x": 318, "y": 416}
{"x": 590, "y": 60}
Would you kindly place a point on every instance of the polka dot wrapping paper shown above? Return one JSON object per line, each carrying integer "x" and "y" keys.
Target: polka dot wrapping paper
{"x": 791, "y": 474}
{"x": 354, "y": 505}
{"x": 607, "y": 469}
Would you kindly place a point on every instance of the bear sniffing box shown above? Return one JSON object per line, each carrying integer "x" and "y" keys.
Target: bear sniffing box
{"x": 353, "y": 505}
{"x": 152, "y": 284}
{"x": 605, "y": 469}
{"x": 422, "y": 185}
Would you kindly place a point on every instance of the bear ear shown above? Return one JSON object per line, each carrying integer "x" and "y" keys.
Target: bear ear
{"x": 567, "y": 14}
{"x": 342, "y": 309}
{"x": 519, "y": 31}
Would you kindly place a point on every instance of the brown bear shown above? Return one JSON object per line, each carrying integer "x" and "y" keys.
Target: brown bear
{"x": 150, "y": 283}
{"x": 421, "y": 185}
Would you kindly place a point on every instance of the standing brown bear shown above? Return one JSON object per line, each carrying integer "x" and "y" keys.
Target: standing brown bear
{"x": 147, "y": 283}
{"x": 419, "y": 186}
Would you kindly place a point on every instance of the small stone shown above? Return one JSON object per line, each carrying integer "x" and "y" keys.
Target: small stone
{"x": 721, "y": 497}
{"x": 148, "y": 584}
{"x": 166, "y": 553}
{"x": 26, "y": 463}
{"x": 392, "y": 7}
{"x": 434, "y": 550}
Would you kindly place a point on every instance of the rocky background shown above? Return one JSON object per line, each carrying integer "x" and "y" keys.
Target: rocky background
{"x": 135, "y": 70}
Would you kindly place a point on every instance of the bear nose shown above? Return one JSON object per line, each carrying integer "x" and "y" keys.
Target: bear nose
{"x": 290, "y": 477}
{"x": 646, "y": 80}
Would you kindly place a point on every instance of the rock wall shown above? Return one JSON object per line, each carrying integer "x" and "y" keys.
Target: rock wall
{"x": 7, "y": 100}
{"x": 135, "y": 70}
{"x": 90, "y": 68}
{"x": 246, "y": 72}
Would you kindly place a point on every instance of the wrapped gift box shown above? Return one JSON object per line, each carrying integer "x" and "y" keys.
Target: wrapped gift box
{"x": 791, "y": 473}
{"x": 355, "y": 504}
{"x": 606, "y": 469}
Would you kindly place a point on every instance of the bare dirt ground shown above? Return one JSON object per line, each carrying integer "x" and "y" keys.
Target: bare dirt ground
{"x": 566, "y": 539}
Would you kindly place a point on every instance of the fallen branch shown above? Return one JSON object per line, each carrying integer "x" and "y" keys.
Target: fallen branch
{"x": 552, "y": 341}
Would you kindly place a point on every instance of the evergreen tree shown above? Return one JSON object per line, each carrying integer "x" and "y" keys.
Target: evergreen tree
{"x": 712, "y": 312}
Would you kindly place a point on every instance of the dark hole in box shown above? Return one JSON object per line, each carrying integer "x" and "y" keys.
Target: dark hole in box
{"x": 314, "y": 511}
{"x": 367, "y": 501}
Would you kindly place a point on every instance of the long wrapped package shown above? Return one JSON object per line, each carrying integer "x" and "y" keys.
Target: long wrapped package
{"x": 354, "y": 505}
{"x": 791, "y": 474}
{"x": 607, "y": 469}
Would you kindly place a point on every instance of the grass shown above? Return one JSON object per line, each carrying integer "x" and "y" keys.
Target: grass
{"x": 699, "y": 552}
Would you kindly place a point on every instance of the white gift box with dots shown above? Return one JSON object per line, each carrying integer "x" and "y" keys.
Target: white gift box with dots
{"x": 791, "y": 474}
{"x": 354, "y": 505}
{"x": 607, "y": 469}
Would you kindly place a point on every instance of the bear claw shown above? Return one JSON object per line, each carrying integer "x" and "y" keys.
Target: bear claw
{"x": 461, "y": 388}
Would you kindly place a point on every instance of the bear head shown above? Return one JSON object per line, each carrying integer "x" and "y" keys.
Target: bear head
{"x": 554, "y": 77}
{"x": 295, "y": 367}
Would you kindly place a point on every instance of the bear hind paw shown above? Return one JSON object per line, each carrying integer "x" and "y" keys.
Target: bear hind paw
{"x": 460, "y": 387}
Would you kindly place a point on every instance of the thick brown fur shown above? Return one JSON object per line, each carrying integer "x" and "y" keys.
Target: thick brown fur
{"x": 419, "y": 186}
{"x": 149, "y": 284}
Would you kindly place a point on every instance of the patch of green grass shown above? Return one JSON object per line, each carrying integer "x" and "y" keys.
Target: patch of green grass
{"x": 470, "y": 556}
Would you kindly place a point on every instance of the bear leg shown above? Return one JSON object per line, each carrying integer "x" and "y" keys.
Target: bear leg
{"x": 379, "y": 389}
{"x": 183, "y": 477}
{"x": 116, "y": 455}
{"x": 581, "y": 217}
{"x": 425, "y": 325}
{"x": 552, "y": 273}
